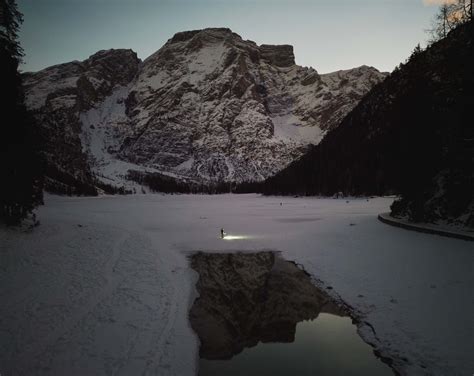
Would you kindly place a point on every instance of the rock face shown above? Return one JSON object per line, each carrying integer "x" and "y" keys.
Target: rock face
{"x": 246, "y": 298}
{"x": 208, "y": 107}
{"x": 280, "y": 56}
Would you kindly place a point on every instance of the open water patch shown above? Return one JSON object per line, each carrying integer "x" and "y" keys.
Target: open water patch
{"x": 258, "y": 314}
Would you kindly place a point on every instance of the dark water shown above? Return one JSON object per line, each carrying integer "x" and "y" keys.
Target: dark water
{"x": 258, "y": 314}
{"x": 328, "y": 345}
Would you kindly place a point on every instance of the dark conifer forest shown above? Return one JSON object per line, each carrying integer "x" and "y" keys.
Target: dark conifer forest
{"x": 20, "y": 162}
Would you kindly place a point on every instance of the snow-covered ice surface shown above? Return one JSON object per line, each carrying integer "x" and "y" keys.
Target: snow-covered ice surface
{"x": 103, "y": 286}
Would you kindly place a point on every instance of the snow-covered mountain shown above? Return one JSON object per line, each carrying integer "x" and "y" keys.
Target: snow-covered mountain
{"x": 207, "y": 107}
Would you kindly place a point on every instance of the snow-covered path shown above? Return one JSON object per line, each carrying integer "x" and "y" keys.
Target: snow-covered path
{"x": 103, "y": 286}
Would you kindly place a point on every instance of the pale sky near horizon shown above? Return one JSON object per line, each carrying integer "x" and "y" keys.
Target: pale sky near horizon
{"x": 327, "y": 35}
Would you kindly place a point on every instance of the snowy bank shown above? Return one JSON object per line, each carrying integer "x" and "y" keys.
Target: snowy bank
{"x": 426, "y": 227}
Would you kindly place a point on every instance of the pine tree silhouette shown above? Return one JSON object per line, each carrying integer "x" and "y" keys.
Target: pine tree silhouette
{"x": 20, "y": 162}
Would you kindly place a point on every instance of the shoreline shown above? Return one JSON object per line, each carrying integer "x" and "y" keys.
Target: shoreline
{"x": 425, "y": 227}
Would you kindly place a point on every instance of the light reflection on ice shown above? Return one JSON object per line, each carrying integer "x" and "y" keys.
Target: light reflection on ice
{"x": 237, "y": 237}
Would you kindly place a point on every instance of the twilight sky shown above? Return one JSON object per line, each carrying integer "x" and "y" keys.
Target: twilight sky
{"x": 326, "y": 34}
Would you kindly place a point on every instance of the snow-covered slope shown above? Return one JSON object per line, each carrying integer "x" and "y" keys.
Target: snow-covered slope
{"x": 207, "y": 106}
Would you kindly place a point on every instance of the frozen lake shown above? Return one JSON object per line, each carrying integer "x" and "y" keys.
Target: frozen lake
{"x": 104, "y": 286}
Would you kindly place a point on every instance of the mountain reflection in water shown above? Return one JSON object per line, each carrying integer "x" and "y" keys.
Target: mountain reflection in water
{"x": 258, "y": 314}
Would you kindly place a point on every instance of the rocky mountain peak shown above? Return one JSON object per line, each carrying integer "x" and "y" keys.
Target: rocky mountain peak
{"x": 184, "y": 36}
{"x": 96, "y": 77}
{"x": 278, "y": 55}
{"x": 117, "y": 62}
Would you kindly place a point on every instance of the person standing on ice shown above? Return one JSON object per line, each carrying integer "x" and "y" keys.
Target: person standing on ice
{"x": 222, "y": 233}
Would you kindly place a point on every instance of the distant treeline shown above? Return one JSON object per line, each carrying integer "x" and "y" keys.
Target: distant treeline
{"x": 157, "y": 182}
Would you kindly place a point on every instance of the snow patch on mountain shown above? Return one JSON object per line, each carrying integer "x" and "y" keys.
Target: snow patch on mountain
{"x": 287, "y": 128}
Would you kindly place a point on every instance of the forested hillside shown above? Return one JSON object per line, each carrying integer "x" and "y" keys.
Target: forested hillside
{"x": 413, "y": 134}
